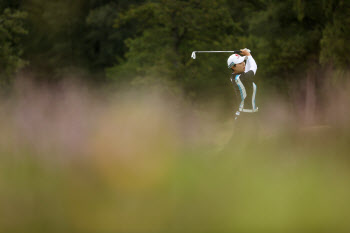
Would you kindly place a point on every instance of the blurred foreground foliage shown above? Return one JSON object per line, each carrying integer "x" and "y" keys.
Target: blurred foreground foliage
{"x": 143, "y": 162}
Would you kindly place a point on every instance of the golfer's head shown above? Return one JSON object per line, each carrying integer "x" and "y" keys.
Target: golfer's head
{"x": 236, "y": 63}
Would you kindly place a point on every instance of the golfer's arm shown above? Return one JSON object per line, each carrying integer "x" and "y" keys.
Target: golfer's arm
{"x": 251, "y": 64}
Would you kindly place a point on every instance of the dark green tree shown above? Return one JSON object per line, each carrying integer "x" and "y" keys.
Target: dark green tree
{"x": 165, "y": 34}
{"x": 335, "y": 47}
{"x": 12, "y": 30}
{"x": 104, "y": 45}
{"x": 286, "y": 37}
{"x": 56, "y": 29}
{"x": 73, "y": 37}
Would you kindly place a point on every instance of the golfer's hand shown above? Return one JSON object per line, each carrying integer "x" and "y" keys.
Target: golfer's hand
{"x": 245, "y": 52}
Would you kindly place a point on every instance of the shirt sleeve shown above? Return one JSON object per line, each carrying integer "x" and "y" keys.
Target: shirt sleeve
{"x": 251, "y": 64}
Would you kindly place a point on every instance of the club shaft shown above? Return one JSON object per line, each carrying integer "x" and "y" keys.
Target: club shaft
{"x": 194, "y": 52}
{"x": 215, "y": 51}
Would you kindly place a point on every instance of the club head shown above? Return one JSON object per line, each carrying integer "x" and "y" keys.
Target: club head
{"x": 193, "y": 55}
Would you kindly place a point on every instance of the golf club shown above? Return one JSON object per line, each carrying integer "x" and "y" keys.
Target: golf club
{"x": 194, "y": 52}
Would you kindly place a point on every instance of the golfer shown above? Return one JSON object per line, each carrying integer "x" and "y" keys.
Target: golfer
{"x": 244, "y": 68}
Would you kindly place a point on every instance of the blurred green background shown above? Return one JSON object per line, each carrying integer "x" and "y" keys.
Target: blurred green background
{"x": 107, "y": 124}
{"x": 146, "y": 42}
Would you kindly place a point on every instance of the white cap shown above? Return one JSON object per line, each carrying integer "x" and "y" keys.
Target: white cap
{"x": 234, "y": 59}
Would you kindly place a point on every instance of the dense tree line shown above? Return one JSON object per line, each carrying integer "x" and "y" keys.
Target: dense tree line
{"x": 144, "y": 42}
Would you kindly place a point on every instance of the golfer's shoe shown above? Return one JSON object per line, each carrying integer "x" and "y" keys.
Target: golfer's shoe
{"x": 237, "y": 114}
